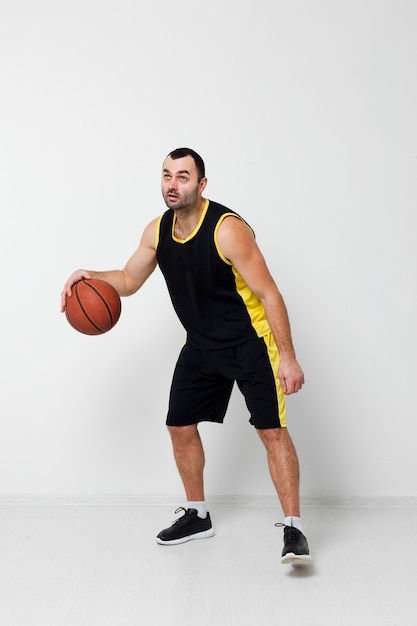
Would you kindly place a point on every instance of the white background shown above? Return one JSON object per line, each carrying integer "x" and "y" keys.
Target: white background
{"x": 305, "y": 113}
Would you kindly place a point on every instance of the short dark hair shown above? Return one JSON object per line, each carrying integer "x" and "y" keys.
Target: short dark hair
{"x": 180, "y": 153}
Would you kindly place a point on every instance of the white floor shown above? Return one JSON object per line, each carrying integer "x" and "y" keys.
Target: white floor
{"x": 74, "y": 565}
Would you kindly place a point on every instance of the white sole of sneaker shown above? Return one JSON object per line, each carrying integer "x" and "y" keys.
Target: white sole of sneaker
{"x": 205, "y": 534}
{"x": 296, "y": 559}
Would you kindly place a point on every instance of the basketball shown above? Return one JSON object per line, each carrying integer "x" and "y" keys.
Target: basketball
{"x": 94, "y": 307}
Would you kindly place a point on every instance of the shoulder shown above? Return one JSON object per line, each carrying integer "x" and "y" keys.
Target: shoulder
{"x": 232, "y": 227}
{"x": 234, "y": 237}
{"x": 164, "y": 221}
{"x": 215, "y": 208}
{"x": 222, "y": 213}
{"x": 153, "y": 225}
{"x": 151, "y": 231}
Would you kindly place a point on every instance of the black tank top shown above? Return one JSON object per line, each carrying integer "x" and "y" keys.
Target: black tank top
{"x": 212, "y": 301}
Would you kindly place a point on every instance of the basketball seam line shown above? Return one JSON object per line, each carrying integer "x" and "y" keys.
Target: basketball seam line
{"x": 85, "y": 312}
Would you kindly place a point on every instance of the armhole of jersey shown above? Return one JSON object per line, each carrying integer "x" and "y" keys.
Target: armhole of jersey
{"x": 216, "y": 243}
{"x": 158, "y": 228}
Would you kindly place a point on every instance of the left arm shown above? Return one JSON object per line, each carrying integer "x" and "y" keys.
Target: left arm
{"x": 238, "y": 245}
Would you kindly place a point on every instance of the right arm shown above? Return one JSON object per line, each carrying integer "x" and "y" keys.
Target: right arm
{"x": 128, "y": 280}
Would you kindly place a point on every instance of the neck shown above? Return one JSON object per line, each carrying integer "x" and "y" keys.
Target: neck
{"x": 191, "y": 212}
{"x": 188, "y": 218}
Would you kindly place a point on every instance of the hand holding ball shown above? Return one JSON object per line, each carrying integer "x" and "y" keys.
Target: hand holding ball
{"x": 94, "y": 306}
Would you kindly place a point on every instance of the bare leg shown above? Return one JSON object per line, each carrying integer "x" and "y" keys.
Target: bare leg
{"x": 283, "y": 467}
{"x": 189, "y": 456}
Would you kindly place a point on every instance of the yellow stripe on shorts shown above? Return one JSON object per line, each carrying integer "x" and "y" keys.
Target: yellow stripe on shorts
{"x": 274, "y": 358}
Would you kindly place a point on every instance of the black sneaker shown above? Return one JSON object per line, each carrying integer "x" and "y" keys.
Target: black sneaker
{"x": 295, "y": 550}
{"x": 185, "y": 528}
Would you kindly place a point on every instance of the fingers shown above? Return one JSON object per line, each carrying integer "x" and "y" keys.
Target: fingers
{"x": 67, "y": 291}
{"x": 283, "y": 382}
{"x": 291, "y": 382}
{"x": 291, "y": 387}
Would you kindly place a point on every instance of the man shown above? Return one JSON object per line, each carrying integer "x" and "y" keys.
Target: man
{"x": 237, "y": 330}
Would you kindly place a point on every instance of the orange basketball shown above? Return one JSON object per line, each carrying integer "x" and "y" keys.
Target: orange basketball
{"x": 94, "y": 306}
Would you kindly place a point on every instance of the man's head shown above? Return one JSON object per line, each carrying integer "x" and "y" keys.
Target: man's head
{"x": 180, "y": 153}
{"x": 183, "y": 179}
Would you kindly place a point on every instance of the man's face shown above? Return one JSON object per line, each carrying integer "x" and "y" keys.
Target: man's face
{"x": 180, "y": 186}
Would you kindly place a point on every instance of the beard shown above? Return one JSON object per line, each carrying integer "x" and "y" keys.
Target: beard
{"x": 176, "y": 201}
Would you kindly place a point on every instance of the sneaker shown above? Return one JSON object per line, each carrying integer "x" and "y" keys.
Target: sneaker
{"x": 295, "y": 550}
{"x": 185, "y": 528}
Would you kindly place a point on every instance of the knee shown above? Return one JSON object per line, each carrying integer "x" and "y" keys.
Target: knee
{"x": 183, "y": 434}
{"x": 273, "y": 436}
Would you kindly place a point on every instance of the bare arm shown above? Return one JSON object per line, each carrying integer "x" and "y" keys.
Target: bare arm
{"x": 238, "y": 245}
{"x": 128, "y": 280}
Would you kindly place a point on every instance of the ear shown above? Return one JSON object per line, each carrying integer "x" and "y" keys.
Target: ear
{"x": 202, "y": 184}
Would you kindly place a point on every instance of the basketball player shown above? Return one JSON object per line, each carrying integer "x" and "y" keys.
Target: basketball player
{"x": 237, "y": 330}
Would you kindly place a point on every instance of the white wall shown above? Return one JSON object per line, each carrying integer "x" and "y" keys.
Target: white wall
{"x": 305, "y": 113}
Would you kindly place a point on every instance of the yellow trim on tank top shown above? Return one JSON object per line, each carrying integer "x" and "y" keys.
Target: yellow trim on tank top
{"x": 251, "y": 301}
{"x": 158, "y": 230}
{"x": 196, "y": 229}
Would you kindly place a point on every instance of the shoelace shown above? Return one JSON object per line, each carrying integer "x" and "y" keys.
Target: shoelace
{"x": 183, "y": 517}
{"x": 292, "y": 533}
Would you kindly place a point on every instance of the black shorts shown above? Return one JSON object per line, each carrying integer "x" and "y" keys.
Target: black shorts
{"x": 203, "y": 381}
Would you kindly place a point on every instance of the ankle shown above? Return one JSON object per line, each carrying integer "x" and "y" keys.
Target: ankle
{"x": 199, "y": 506}
{"x": 294, "y": 521}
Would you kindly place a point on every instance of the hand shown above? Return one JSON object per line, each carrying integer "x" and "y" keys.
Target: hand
{"x": 74, "y": 278}
{"x": 291, "y": 376}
